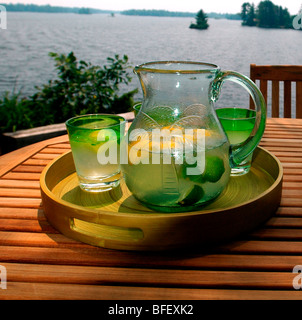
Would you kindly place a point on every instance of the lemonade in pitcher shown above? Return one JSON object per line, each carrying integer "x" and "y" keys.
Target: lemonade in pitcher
{"x": 169, "y": 168}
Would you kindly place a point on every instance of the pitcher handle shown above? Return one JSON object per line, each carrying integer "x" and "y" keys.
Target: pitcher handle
{"x": 241, "y": 151}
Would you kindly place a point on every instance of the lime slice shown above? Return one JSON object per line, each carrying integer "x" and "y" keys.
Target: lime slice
{"x": 192, "y": 196}
{"x": 214, "y": 169}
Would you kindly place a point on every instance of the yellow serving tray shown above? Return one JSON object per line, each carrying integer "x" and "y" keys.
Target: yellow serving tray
{"x": 116, "y": 220}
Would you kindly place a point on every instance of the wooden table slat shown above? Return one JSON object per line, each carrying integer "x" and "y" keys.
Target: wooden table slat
{"x": 42, "y": 291}
{"x": 21, "y": 213}
{"x": 29, "y": 168}
{"x": 43, "y": 235}
{"x": 26, "y": 184}
{"x": 84, "y": 256}
{"x": 155, "y": 277}
{"x": 17, "y": 193}
{"x": 22, "y": 176}
{"x": 289, "y": 211}
{"x": 23, "y": 203}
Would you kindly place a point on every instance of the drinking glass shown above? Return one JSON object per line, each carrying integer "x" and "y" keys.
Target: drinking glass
{"x": 136, "y": 108}
{"x": 238, "y": 123}
{"x": 95, "y": 144}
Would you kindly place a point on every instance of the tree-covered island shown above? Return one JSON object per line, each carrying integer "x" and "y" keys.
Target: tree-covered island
{"x": 201, "y": 21}
{"x": 266, "y": 15}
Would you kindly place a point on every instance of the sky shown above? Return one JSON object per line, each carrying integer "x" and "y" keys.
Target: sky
{"x": 219, "y": 6}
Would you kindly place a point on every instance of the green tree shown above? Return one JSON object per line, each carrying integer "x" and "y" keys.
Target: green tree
{"x": 201, "y": 21}
{"x": 284, "y": 18}
{"x": 244, "y": 11}
{"x": 248, "y": 14}
{"x": 267, "y": 15}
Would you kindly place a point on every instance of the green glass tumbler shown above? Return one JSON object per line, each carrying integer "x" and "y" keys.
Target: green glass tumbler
{"x": 95, "y": 144}
{"x": 136, "y": 108}
{"x": 238, "y": 124}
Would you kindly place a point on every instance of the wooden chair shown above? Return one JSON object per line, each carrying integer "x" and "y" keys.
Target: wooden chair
{"x": 277, "y": 74}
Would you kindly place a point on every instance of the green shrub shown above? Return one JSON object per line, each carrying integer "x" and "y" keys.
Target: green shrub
{"x": 13, "y": 113}
{"x": 80, "y": 88}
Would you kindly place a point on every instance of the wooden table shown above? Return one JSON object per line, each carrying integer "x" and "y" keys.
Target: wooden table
{"x": 41, "y": 263}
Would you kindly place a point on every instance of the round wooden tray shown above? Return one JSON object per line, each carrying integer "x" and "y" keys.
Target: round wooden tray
{"x": 116, "y": 220}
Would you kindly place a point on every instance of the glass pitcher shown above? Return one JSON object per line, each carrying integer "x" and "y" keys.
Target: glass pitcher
{"x": 178, "y": 157}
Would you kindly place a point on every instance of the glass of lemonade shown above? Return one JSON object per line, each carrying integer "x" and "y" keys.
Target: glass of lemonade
{"x": 95, "y": 143}
{"x": 238, "y": 124}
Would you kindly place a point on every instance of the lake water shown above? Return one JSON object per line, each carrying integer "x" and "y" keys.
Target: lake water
{"x": 25, "y": 44}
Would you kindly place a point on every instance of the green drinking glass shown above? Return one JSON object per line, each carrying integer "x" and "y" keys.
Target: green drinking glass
{"x": 136, "y": 108}
{"x": 238, "y": 124}
{"x": 95, "y": 144}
